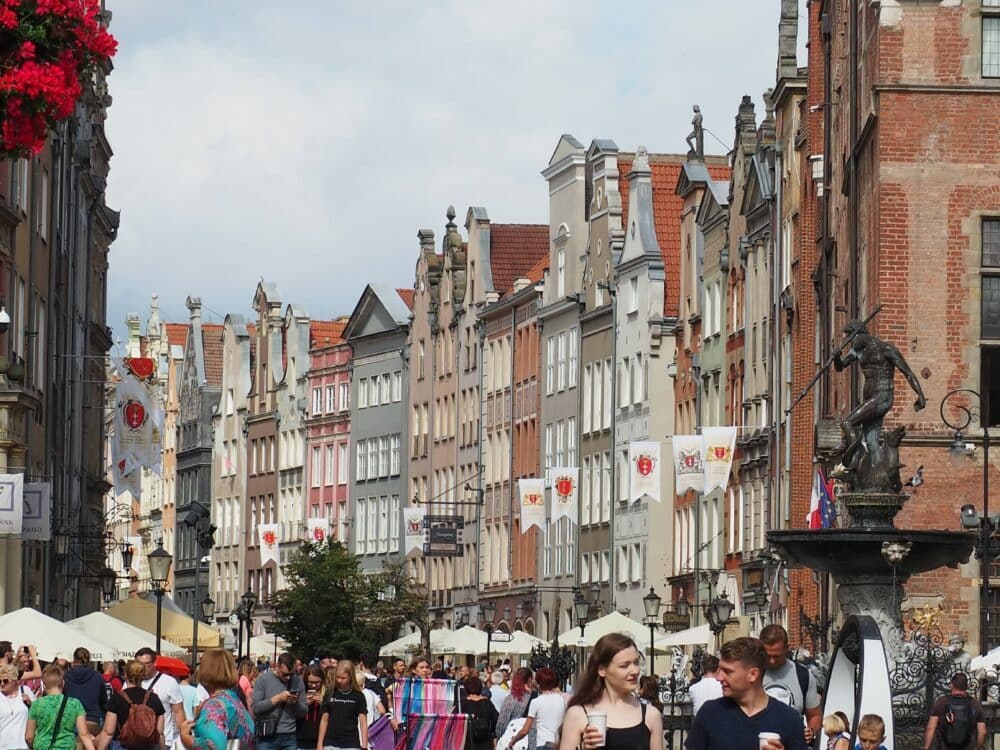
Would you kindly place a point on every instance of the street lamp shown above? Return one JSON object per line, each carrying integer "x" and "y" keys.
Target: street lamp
{"x": 683, "y": 606}
{"x": 719, "y": 613}
{"x": 127, "y": 552}
{"x": 159, "y": 571}
{"x": 208, "y": 609}
{"x": 245, "y": 612}
{"x": 581, "y": 608}
{"x": 651, "y": 603}
{"x": 957, "y": 452}
{"x": 489, "y": 610}
{"x": 108, "y": 581}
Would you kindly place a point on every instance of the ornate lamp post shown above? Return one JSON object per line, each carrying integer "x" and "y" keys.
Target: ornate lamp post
{"x": 718, "y": 613}
{"x": 108, "y": 581}
{"x": 248, "y": 602}
{"x": 489, "y": 610}
{"x": 958, "y": 453}
{"x": 581, "y": 608}
{"x": 207, "y": 609}
{"x": 127, "y": 553}
{"x": 159, "y": 571}
{"x": 651, "y": 603}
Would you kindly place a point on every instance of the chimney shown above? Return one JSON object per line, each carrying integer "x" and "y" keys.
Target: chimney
{"x": 194, "y": 307}
{"x": 788, "y": 31}
{"x": 520, "y": 284}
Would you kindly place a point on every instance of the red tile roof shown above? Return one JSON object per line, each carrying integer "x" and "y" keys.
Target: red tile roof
{"x": 176, "y": 333}
{"x": 667, "y": 207}
{"x": 537, "y": 271}
{"x": 514, "y": 249}
{"x": 211, "y": 341}
{"x": 324, "y": 334}
{"x": 407, "y": 296}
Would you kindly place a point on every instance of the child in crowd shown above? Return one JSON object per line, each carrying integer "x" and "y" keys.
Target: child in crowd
{"x": 871, "y": 733}
{"x": 835, "y": 728}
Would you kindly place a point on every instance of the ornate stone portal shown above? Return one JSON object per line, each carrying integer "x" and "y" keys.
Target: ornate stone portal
{"x": 870, "y": 559}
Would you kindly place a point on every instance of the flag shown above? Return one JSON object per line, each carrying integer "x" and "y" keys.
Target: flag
{"x": 689, "y": 463}
{"x": 719, "y": 444}
{"x": 413, "y": 525}
{"x": 269, "y": 534}
{"x": 36, "y": 523}
{"x": 319, "y": 529}
{"x": 822, "y": 509}
{"x": 532, "y": 503}
{"x": 644, "y": 471}
{"x": 11, "y": 504}
{"x": 564, "y": 493}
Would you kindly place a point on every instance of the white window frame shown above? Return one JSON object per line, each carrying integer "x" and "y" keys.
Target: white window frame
{"x": 344, "y": 396}
{"x": 573, "y": 359}
{"x": 395, "y": 445}
{"x": 361, "y": 461}
{"x": 317, "y": 400}
{"x": 328, "y": 466}
{"x": 587, "y": 399}
{"x": 363, "y": 393}
{"x": 342, "y": 467}
{"x": 561, "y": 272}
{"x": 562, "y": 353}
{"x": 397, "y": 387}
{"x": 550, "y": 365}
{"x": 394, "y": 522}
{"x": 331, "y": 399}
{"x": 316, "y": 467}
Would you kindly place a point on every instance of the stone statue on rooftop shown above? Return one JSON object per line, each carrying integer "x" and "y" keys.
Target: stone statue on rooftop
{"x": 696, "y": 138}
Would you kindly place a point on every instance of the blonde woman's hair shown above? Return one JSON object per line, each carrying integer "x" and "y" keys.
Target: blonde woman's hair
{"x": 135, "y": 673}
{"x": 345, "y": 666}
{"x": 10, "y": 672}
{"x": 833, "y": 725}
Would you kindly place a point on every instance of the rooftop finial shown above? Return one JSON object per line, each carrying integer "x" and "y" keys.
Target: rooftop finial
{"x": 451, "y": 214}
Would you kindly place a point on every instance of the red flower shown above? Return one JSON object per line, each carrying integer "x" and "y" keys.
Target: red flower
{"x": 41, "y": 78}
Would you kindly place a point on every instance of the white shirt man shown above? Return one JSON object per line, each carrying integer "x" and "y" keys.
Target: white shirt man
{"x": 708, "y": 687}
{"x": 168, "y": 690}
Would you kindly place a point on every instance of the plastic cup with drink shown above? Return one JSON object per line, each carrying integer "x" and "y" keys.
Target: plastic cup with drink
{"x": 766, "y": 738}
{"x": 601, "y": 722}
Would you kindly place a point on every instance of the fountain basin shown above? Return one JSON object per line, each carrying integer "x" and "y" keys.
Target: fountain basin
{"x": 851, "y": 552}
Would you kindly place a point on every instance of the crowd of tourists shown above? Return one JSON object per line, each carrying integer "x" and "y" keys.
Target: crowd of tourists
{"x": 749, "y": 697}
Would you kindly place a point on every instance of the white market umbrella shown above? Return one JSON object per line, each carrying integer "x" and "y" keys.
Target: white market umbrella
{"x": 50, "y": 636}
{"x": 615, "y": 622}
{"x": 266, "y": 645}
{"x": 520, "y": 643}
{"x": 467, "y": 640}
{"x": 126, "y": 639}
{"x": 698, "y": 635}
{"x": 442, "y": 642}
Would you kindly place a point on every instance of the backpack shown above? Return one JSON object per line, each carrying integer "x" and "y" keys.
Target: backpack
{"x": 375, "y": 686}
{"x": 956, "y": 725}
{"x": 480, "y": 720}
{"x": 802, "y": 673}
{"x": 139, "y": 729}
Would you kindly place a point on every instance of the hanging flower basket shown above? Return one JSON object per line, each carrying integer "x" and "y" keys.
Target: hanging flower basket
{"x": 46, "y": 49}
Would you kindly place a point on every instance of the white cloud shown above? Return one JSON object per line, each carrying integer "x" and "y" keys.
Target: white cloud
{"x": 307, "y": 143}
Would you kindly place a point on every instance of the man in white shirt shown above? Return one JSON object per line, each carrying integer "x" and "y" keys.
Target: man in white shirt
{"x": 168, "y": 691}
{"x": 708, "y": 687}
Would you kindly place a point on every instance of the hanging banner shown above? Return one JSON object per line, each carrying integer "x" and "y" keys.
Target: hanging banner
{"x": 127, "y": 473}
{"x": 689, "y": 463}
{"x": 644, "y": 471}
{"x": 319, "y": 529}
{"x": 11, "y": 504}
{"x": 138, "y": 426}
{"x": 269, "y": 536}
{"x": 565, "y": 483}
{"x": 719, "y": 445}
{"x": 532, "y": 503}
{"x": 36, "y": 524}
{"x": 413, "y": 530}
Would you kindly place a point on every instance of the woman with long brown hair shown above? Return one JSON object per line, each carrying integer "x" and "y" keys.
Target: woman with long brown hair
{"x": 308, "y": 726}
{"x": 606, "y": 695}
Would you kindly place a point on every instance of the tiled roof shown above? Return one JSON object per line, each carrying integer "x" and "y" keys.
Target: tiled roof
{"x": 211, "y": 340}
{"x": 407, "y": 296}
{"x": 537, "y": 271}
{"x": 326, "y": 333}
{"x": 176, "y": 333}
{"x": 514, "y": 249}
{"x": 667, "y": 207}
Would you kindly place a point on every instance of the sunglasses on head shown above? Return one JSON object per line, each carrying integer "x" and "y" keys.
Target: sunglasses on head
{"x": 5, "y": 681}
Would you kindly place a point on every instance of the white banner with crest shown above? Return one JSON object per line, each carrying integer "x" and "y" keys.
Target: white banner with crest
{"x": 11, "y": 504}
{"x": 413, "y": 530}
{"x": 319, "y": 529}
{"x": 36, "y": 522}
{"x": 270, "y": 535}
{"x": 689, "y": 463}
{"x": 532, "y": 503}
{"x": 719, "y": 445}
{"x": 644, "y": 471}
{"x": 565, "y": 484}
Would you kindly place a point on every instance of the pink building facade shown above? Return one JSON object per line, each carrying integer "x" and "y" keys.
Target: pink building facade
{"x": 328, "y": 427}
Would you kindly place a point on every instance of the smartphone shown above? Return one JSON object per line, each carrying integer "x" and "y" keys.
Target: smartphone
{"x": 294, "y": 694}
{"x": 26, "y": 650}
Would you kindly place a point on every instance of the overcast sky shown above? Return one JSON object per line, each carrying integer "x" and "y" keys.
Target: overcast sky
{"x": 307, "y": 142}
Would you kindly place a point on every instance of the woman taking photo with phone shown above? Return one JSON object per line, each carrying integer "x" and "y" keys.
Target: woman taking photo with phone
{"x": 344, "y": 723}
{"x": 604, "y": 710}
{"x": 308, "y": 732}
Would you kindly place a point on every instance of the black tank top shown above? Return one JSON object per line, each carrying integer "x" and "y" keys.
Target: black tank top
{"x": 629, "y": 738}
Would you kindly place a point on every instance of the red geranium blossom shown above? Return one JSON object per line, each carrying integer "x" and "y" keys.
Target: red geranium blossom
{"x": 46, "y": 49}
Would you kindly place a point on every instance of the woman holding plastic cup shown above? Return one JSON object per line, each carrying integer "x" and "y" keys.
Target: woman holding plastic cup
{"x": 605, "y": 711}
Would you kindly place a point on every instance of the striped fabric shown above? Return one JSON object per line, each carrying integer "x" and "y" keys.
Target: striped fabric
{"x": 415, "y": 696}
{"x": 436, "y": 731}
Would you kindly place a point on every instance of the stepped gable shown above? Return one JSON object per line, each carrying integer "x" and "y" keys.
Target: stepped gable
{"x": 514, "y": 250}
{"x": 667, "y": 207}
{"x": 211, "y": 342}
{"x": 326, "y": 333}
